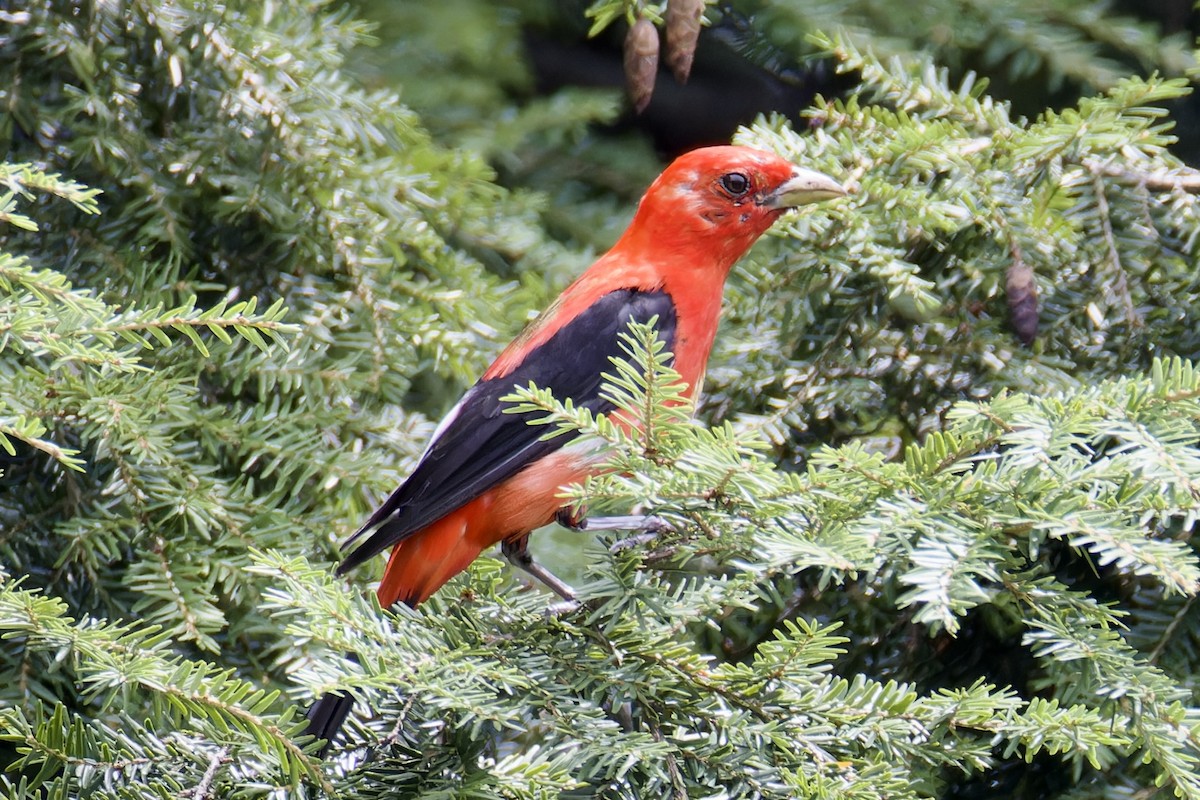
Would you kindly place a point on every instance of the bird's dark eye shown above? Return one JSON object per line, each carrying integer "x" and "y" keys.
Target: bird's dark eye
{"x": 735, "y": 183}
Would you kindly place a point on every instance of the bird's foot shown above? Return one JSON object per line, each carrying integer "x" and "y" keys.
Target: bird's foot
{"x": 572, "y": 517}
{"x": 650, "y": 526}
{"x": 634, "y": 541}
{"x": 577, "y": 520}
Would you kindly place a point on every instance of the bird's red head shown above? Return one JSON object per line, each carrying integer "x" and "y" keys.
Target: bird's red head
{"x": 716, "y": 201}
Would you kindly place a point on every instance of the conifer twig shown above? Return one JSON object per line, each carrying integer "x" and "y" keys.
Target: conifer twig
{"x": 1180, "y": 180}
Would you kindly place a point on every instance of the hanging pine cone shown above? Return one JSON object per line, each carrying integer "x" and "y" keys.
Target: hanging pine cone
{"x": 1021, "y": 289}
{"x": 683, "y": 30}
{"x": 641, "y": 62}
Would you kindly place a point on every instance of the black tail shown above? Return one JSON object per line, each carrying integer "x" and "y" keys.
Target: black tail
{"x": 326, "y": 716}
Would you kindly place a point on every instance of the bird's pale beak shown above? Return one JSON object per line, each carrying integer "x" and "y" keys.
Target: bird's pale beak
{"x": 805, "y": 186}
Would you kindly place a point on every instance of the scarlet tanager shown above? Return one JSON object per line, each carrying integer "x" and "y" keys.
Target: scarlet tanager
{"x": 487, "y": 476}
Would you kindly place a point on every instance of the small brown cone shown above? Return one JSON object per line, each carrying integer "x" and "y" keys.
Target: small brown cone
{"x": 683, "y": 30}
{"x": 1021, "y": 289}
{"x": 641, "y": 62}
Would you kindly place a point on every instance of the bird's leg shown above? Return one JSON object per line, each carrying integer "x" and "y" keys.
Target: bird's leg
{"x": 517, "y": 553}
{"x": 650, "y": 526}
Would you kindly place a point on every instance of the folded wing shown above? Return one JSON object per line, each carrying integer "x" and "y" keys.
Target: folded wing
{"x": 479, "y": 446}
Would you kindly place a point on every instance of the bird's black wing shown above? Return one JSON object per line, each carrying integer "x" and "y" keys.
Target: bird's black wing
{"x": 479, "y": 446}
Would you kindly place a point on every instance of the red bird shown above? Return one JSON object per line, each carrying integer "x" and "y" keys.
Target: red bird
{"x": 487, "y": 476}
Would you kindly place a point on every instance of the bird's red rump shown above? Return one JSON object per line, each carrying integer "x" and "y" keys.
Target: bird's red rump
{"x": 420, "y": 565}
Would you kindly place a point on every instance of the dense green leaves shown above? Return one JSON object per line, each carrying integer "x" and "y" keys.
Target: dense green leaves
{"x": 890, "y": 305}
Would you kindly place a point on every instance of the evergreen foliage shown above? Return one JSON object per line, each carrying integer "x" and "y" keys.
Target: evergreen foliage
{"x": 909, "y": 555}
{"x": 955, "y": 193}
